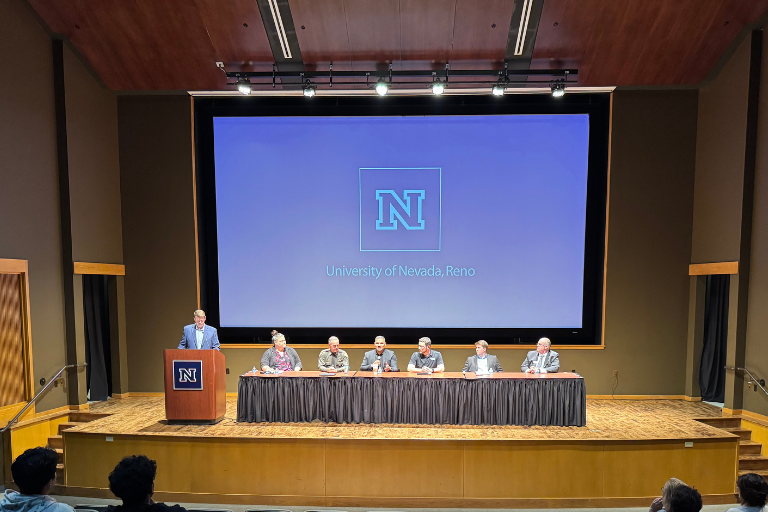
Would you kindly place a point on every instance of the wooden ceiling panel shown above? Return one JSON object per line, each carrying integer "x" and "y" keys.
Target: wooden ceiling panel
{"x": 617, "y": 41}
{"x": 174, "y": 44}
{"x": 476, "y": 42}
{"x": 139, "y": 44}
{"x": 565, "y": 30}
{"x": 321, "y": 28}
{"x": 640, "y": 42}
{"x": 237, "y": 44}
{"x": 426, "y": 33}
{"x": 673, "y": 39}
{"x": 373, "y": 29}
{"x": 731, "y": 17}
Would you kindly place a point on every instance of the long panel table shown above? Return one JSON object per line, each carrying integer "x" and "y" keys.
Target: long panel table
{"x": 557, "y": 399}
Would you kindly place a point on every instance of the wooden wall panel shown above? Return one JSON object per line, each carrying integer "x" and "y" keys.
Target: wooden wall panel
{"x": 413, "y": 468}
{"x": 423, "y": 472}
{"x": 640, "y": 469}
{"x": 12, "y": 386}
{"x": 527, "y": 465}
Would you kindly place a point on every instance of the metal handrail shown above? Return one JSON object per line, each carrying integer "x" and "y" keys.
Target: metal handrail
{"x": 45, "y": 388}
{"x": 754, "y": 379}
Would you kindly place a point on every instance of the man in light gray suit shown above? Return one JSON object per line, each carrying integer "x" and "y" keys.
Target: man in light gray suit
{"x": 198, "y": 335}
{"x": 541, "y": 360}
{"x": 483, "y": 362}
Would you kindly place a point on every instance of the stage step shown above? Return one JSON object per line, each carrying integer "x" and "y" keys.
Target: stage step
{"x": 69, "y": 424}
{"x": 753, "y": 462}
{"x": 743, "y": 433}
{"x": 750, "y": 447}
{"x": 722, "y": 422}
{"x": 86, "y": 417}
{"x": 59, "y": 475}
{"x": 57, "y": 442}
{"x": 762, "y": 473}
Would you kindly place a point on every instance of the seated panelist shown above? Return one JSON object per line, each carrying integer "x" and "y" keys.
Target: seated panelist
{"x": 426, "y": 360}
{"x": 379, "y": 357}
{"x": 333, "y": 359}
{"x": 198, "y": 335}
{"x": 482, "y": 362}
{"x": 280, "y": 357}
{"x": 541, "y": 360}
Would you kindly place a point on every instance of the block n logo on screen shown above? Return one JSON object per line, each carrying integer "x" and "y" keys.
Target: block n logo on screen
{"x": 400, "y": 209}
{"x": 188, "y": 375}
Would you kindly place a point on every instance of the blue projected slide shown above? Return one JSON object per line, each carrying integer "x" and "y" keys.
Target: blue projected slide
{"x": 450, "y": 221}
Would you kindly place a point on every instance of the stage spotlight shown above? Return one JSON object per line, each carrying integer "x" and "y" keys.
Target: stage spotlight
{"x": 309, "y": 89}
{"x": 558, "y": 89}
{"x": 381, "y": 87}
{"x": 438, "y": 87}
{"x": 498, "y": 89}
{"x": 244, "y": 85}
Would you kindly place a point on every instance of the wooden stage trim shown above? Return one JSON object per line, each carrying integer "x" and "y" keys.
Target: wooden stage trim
{"x": 416, "y": 502}
{"x": 621, "y": 458}
{"x": 606, "y": 420}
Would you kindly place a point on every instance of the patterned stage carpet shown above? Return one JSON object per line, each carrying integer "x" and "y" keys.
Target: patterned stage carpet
{"x": 606, "y": 420}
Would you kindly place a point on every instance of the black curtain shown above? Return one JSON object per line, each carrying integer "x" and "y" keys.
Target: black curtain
{"x": 711, "y": 368}
{"x": 97, "y": 342}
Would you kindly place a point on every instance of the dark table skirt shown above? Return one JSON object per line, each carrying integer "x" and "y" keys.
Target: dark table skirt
{"x": 558, "y": 402}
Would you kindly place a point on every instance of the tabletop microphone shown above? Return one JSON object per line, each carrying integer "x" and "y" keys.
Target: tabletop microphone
{"x": 355, "y": 373}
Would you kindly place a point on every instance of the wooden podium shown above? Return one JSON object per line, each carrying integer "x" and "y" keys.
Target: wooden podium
{"x": 195, "y": 386}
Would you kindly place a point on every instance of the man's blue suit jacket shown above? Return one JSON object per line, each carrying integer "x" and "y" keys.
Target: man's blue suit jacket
{"x": 210, "y": 338}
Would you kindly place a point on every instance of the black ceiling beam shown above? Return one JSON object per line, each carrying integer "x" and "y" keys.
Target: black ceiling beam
{"x": 309, "y": 75}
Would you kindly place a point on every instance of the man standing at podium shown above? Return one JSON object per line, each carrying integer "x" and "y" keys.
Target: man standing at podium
{"x": 198, "y": 335}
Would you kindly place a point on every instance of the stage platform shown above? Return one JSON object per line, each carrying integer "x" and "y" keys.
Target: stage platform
{"x": 622, "y": 457}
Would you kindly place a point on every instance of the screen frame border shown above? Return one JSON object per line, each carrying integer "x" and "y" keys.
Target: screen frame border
{"x": 596, "y": 105}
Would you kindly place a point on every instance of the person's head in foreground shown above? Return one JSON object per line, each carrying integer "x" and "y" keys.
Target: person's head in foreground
{"x": 666, "y": 491}
{"x": 34, "y": 471}
{"x": 133, "y": 480}
{"x": 753, "y": 490}
{"x": 684, "y": 499}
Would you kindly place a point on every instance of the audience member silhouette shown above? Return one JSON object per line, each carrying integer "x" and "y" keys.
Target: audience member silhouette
{"x": 34, "y": 471}
{"x": 662, "y": 503}
{"x": 684, "y": 499}
{"x": 133, "y": 481}
{"x": 753, "y": 490}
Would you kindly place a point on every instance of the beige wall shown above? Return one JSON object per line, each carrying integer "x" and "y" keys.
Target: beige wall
{"x": 94, "y": 172}
{"x": 720, "y": 147}
{"x": 757, "y": 320}
{"x": 29, "y": 194}
{"x": 158, "y": 230}
{"x": 652, "y": 172}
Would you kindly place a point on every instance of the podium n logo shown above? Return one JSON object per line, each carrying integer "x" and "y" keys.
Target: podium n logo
{"x": 393, "y": 209}
{"x": 187, "y": 375}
